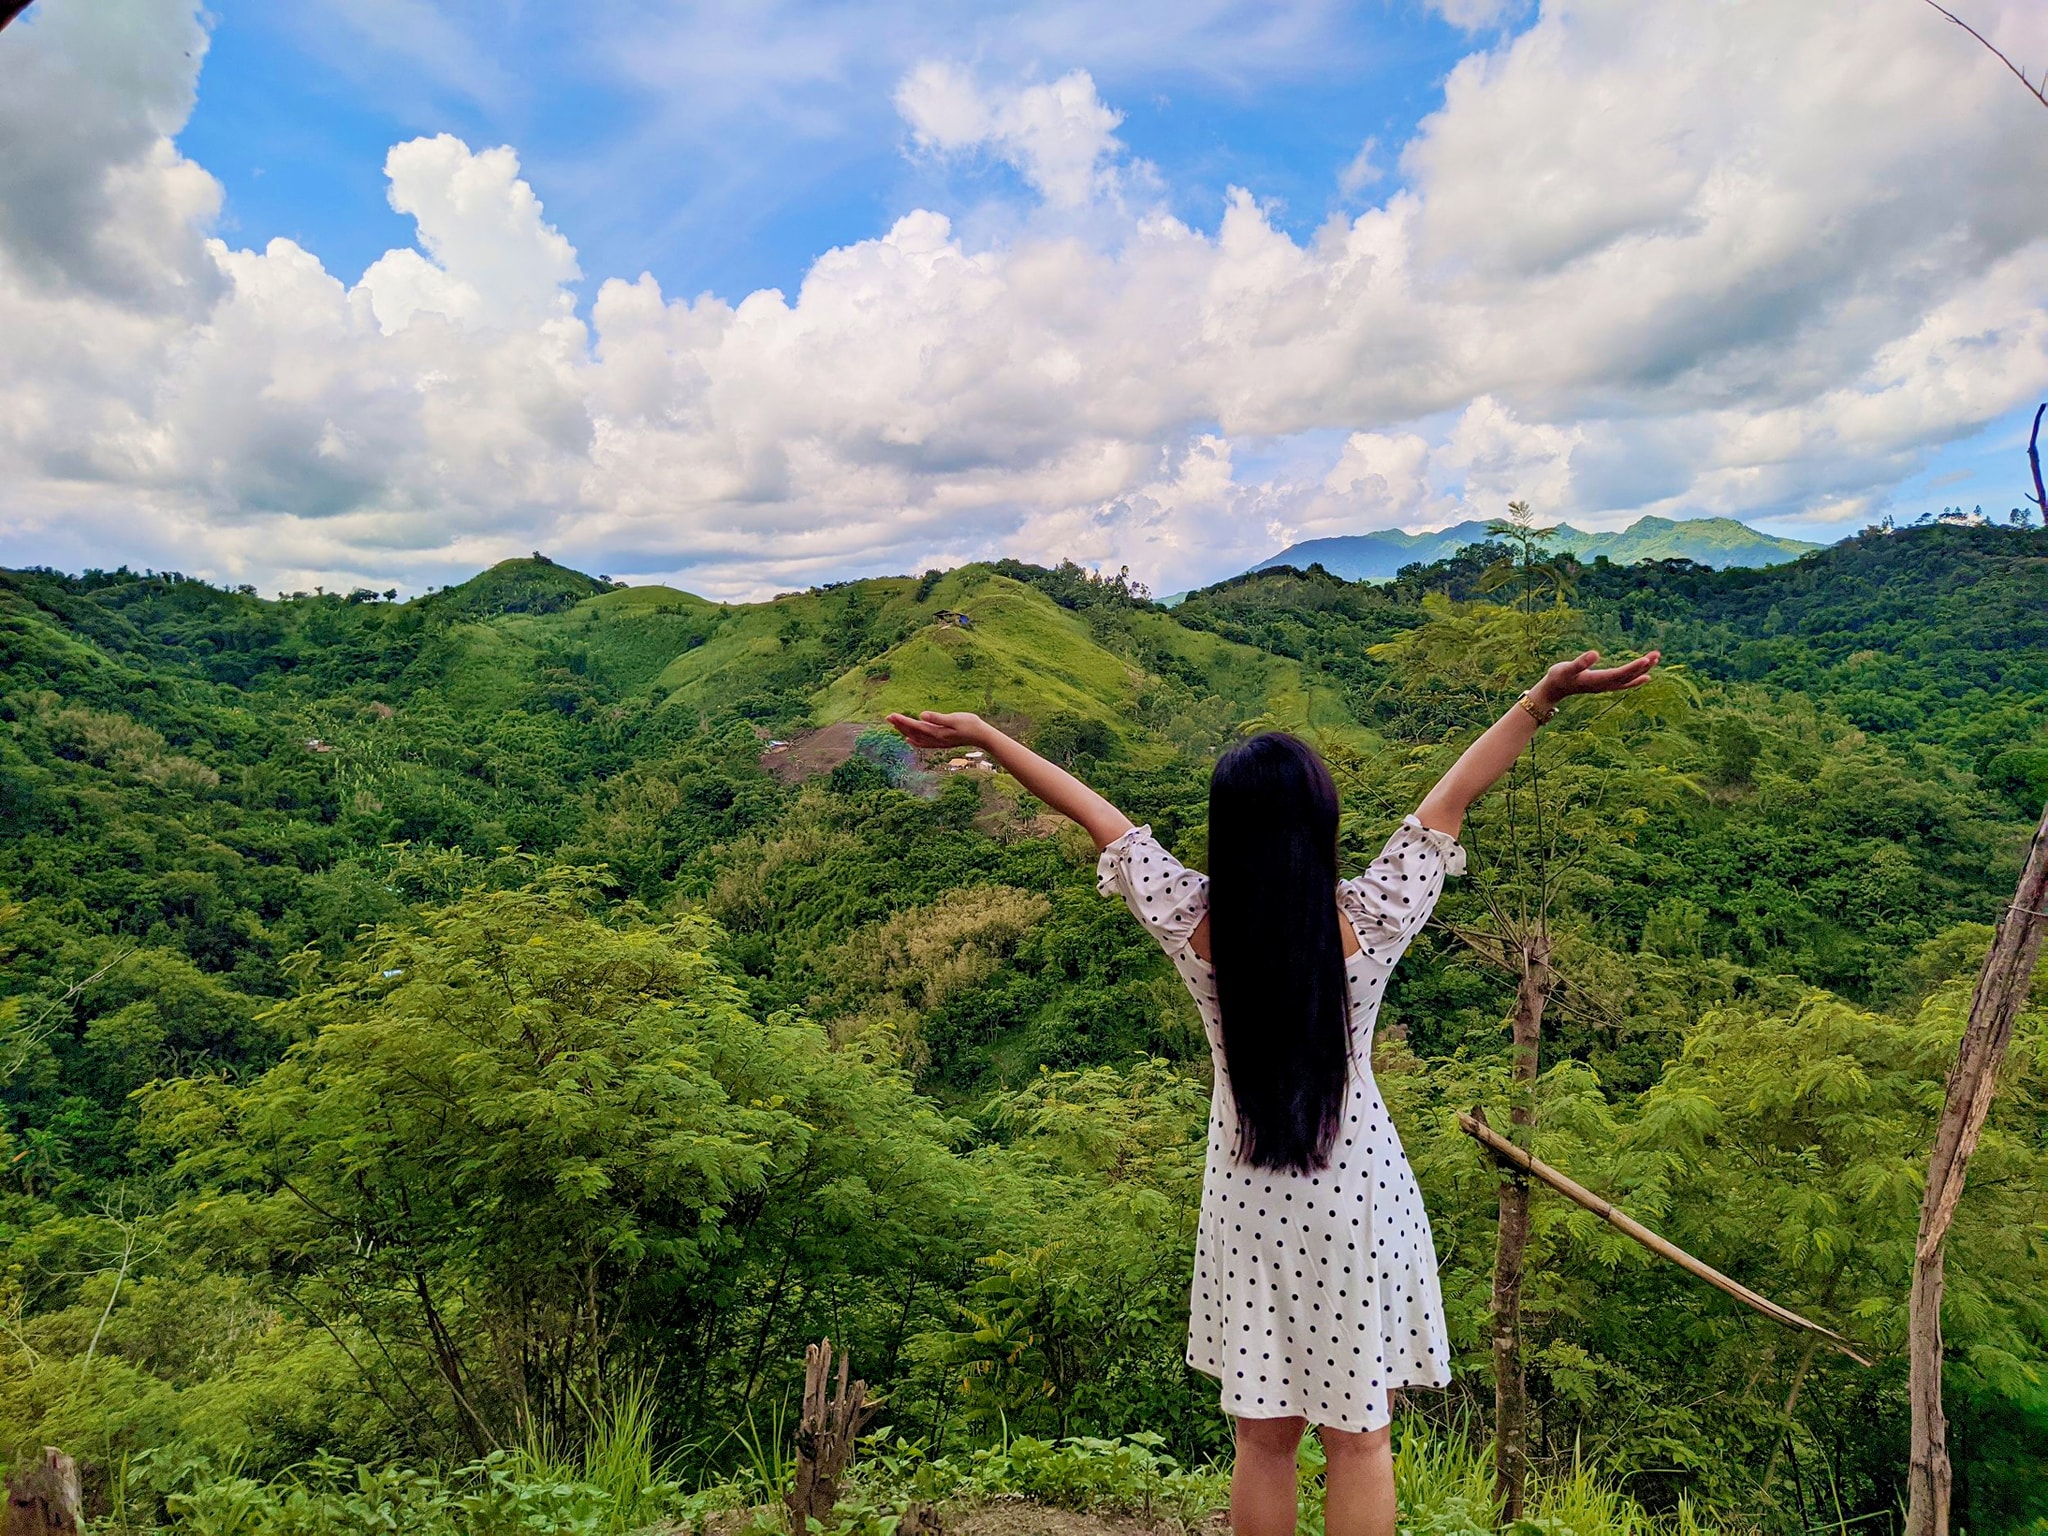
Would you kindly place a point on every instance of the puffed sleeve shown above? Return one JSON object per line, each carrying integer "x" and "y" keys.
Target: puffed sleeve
{"x": 1390, "y": 902}
{"x": 1162, "y": 893}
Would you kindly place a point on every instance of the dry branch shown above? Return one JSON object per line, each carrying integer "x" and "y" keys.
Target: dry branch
{"x": 1475, "y": 1126}
{"x": 2037, "y": 89}
{"x": 2034, "y": 462}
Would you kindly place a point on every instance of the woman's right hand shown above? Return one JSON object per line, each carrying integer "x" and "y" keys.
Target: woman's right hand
{"x": 1058, "y": 788}
{"x": 1579, "y": 675}
{"x": 934, "y": 731}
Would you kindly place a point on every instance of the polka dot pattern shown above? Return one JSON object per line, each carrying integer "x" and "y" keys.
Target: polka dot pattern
{"x": 1314, "y": 1294}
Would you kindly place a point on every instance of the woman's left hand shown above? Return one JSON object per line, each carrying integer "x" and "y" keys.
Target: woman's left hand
{"x": 1579, "y": 675}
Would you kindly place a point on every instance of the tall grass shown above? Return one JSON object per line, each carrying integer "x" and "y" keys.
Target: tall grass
{"x": 1580, "y": 1500}
{"x": 1443, "y": 1485}
{"x": 612, "y": 1484}
{"x": 619, "y": 1458}
{"x": 1443, "y": 1482}
{"x": 768, "y": 1458}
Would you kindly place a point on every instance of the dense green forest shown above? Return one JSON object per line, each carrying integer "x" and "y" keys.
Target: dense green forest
{"x": 441, "y": 1029}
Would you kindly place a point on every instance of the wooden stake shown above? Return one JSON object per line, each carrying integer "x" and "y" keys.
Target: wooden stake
{"x": 44, "y": 1500}
{"x": 1475, "y": 1126}
{"x": 2002, "y": 988}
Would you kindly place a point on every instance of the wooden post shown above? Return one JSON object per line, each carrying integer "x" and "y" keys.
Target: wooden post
{"x": 44, "y": 1499}
{"x": 1510, "y": 1385}
{"x": 2001, "y": 992}
{"x": 825, "y": 1432}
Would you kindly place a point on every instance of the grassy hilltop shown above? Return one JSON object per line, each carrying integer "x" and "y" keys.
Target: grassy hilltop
{"x": 1020, "y": 657}
{"x": 426, "y": 1028}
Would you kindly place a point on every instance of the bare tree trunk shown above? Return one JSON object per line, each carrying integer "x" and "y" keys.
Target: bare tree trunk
{"x": 2001, "y": 992}
{"x": 1510, "y": 1390}
{"x": 825, "y": 1432}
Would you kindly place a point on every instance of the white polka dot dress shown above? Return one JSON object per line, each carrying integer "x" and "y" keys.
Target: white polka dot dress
{"x": 1314, "y": 1294}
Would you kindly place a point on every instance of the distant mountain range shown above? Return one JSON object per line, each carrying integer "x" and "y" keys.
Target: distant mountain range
{"x": 1716, "y": 541}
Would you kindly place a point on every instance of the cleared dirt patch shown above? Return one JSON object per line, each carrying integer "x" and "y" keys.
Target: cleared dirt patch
{"x": 809, "y": 753}
{"x": 1021, "y": 1517}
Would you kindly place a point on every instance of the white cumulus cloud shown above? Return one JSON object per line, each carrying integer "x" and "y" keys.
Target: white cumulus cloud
{"x": 1060, "y": 137}
{"x": 491, "y": 257}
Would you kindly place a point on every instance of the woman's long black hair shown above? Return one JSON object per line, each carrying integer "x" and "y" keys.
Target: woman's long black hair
{"x": 1276, "y": 951}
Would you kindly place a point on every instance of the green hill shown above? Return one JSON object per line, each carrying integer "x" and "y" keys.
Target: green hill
{"x": 1717, "y": 541}
{"x": 536, "y": 585}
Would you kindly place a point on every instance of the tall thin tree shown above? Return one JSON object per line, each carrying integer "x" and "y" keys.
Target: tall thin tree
{"x": 1581, "y": 784}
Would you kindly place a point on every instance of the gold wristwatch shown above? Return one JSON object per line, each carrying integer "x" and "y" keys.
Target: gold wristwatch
{"x": 1537, "y": 712}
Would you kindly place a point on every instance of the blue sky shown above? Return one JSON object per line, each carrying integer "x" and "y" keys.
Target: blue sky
{"x": 743, "y": 190}
{"x": 352, "y": 290}
{"x": 1986, "y": 470}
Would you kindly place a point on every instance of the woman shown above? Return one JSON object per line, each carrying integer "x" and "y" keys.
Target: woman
{"x": 1315, "y": 1291}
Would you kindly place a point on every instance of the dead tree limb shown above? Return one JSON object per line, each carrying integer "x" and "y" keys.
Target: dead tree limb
{"x": 2039, "y": 91}
{"x": 44, "y": 1500}
{"x": 2034, "y": 462}
{"x": 825, "y": 1432}
{"x": 2001, "y": 992}
{"x": 1475, "y": 1126}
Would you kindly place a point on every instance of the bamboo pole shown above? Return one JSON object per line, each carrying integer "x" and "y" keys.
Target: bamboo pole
{"x": 1475, "y": 1126}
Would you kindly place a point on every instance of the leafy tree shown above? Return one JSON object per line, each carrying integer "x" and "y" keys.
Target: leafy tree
{"x": 1069, "y": 739}
{"x": 521, "y": 1148}
{"x": 1080, "y": 1316}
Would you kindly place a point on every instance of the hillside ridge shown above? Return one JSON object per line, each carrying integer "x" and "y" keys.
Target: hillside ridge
{"x": 1715, "y": 541}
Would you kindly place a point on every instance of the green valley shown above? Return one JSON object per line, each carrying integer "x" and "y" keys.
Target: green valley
{"x": 443, "y": 1042}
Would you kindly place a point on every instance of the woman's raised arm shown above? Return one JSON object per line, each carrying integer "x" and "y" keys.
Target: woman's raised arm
{"x": 1481, "y": 765}
{"x": 1050, "y": 782}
